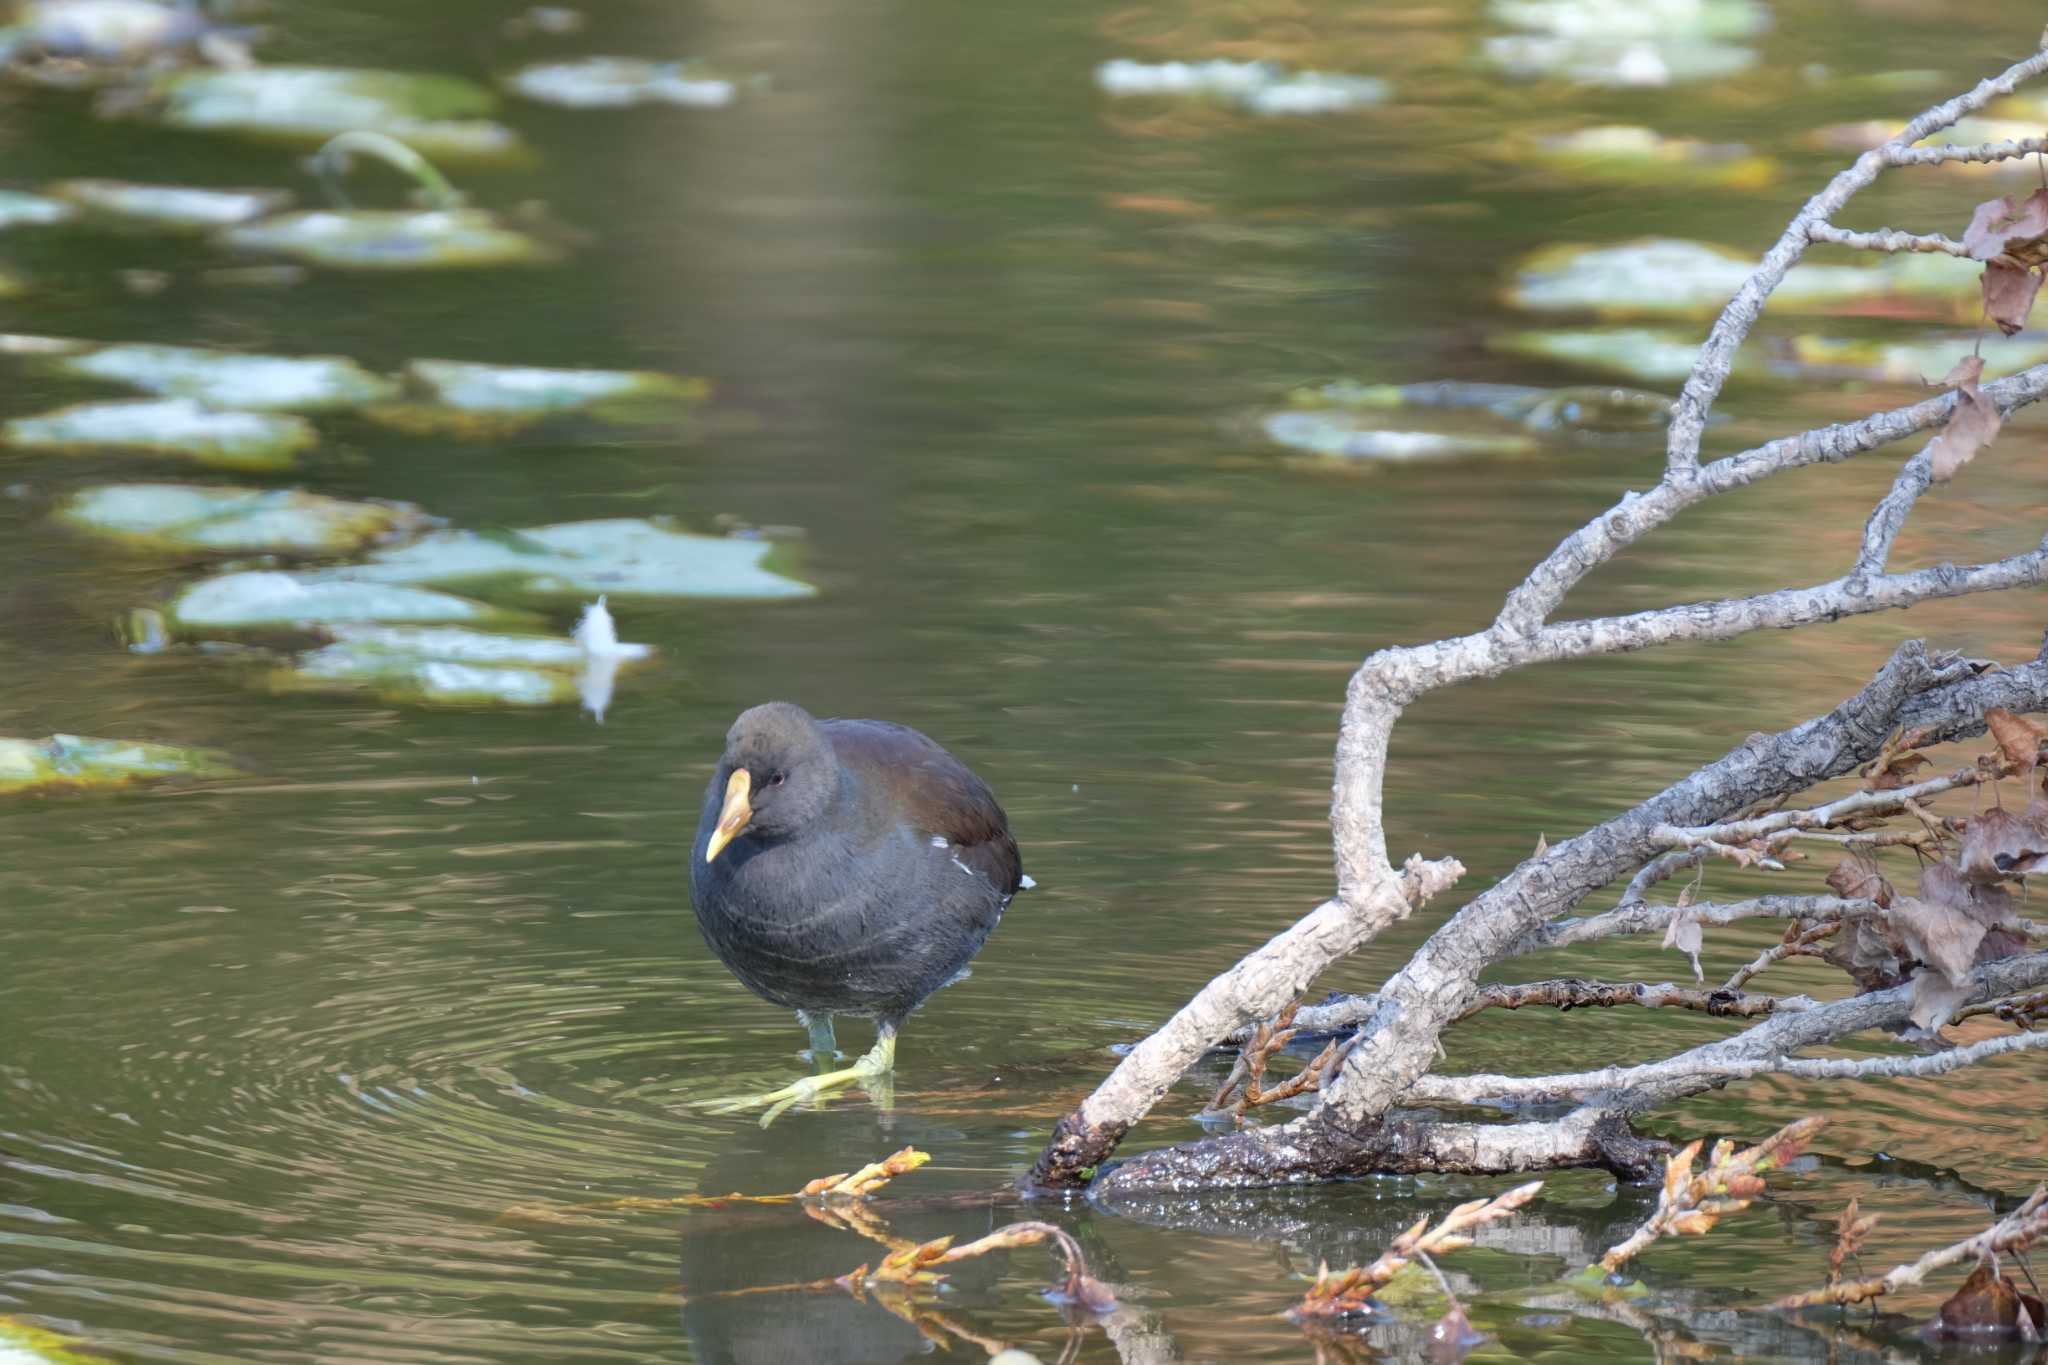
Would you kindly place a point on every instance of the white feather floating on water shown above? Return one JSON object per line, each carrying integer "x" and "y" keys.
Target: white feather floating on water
{"x": 597, "y": 635}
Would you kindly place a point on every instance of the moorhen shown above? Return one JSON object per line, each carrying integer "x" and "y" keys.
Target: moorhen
{"x": 846, "y": 867}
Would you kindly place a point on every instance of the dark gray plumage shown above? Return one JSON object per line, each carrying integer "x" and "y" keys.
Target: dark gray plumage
{"x": 847, "y": 866}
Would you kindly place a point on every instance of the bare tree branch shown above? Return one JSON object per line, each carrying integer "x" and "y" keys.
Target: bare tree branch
{"x": 1398, "y": 1042}
{"x": 1982, "y": 151}
{"x": 1886, "y": 239}
{"x": 2024, "y": 1225}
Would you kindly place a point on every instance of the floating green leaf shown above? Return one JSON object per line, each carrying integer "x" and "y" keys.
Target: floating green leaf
{"x": 625, "y": 556}
{"x": 437, "y": 116}
{"x": 1918, "y": 360}
{"x": 179, "y": 208}
{"x": 246, "y": 520}
{"x": 1630, "y": 154}
{"x": 1260, "y": 87}
{"x": 1650, "y": 355}
{"x": 1587, "y": 409}
{"x": 315, "y": 598}
{"x": 71, "y": 761}
{"x": 18, "y": 209}
{"x": 529, "y": 388}
{"x": 616, "y": 82}
{"x": 450, "y": 665}
{"x": 166, "y": 426}
{"x": 392, "y": 239}
{"x": 1625, "y": 42}
{"x": 1662, "y": 275}
{"x": 311, "y": 383}
{"x": 1353, "y": 436}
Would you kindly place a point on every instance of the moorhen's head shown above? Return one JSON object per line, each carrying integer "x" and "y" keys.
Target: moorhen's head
{"x": 779, "y": 774}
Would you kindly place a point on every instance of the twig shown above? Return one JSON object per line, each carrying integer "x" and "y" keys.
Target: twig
{"x": 2018, "y": 1229}
{"x": 1798, "y": 944}
{"x": 1691, "y": 1204}
{"x": 1689, "y": 1073}
{"x": 1573, "y": 993}
{"x": 1862, "y": 803}
{"x": 2009, "y": 150}
{"x": 1348, "y": 1292}
{"x": 1885, "y": 239}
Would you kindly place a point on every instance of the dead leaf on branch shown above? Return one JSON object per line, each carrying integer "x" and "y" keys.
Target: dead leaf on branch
{"x": 2012, "y": 240}
{"x": 1855, "y": 880}
{"x": 2009, "y": 294}
{"x": 1999, "y": 845}
{"x": 2018, "y": 739}
{"x": 2018, "y": 232}
{"x": 1972, "y": 425}
{"x": 1989, "y": 1304}
{"x": 1852, "y": 1230}
{"x": 1684, "y": 933}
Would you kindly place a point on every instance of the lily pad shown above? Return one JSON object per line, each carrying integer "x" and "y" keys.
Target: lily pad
{"x": 626, "y": 556}
{"x": 1625, "y": 42}
{"x": 523, "y": 389}
{"x": 167, "y": 426}
{"x": 392, "y": 239}
{"x": 312, "y": 383}
{"x": 1588, "y": 410}
{"x": 177, "y": 208}
{"x": 1650, "y": 355}
{"x": 71, "y": 761}
{"x": 1630, "y": 154}
{"x": 102, "y": 30}
{"x": 450, "y": 665}
{"x": 1261, "y": 87}
{"x": 1673, "y": 276}
{"x": 1336, "y": 434}
{"x": 616, "y": 82}
{"x": 310, "y": 599}
{"x": 437, "y": 116}
{"x": 250, "y": 520}
{"x": 18, "y": 209}
{"x": 1916, "y": 361}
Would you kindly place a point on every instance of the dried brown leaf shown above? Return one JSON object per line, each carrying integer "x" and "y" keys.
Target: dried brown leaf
{"x": 1989, "y": 1304}
{"x": 1999, "y": 845}
{"x": 1542, "y": 847}
{"x": 1853, "y": 879}
{"x": 2018, "y": 232}
{"x": 2018, "y": 738}
{"x": 1944, "y": 884}
{"x": 2009, "y": 292}
{"x": 1896, "y": 772}
{"x": 1684, "y": 934}
{"x": 1971, "y": 426}
{"x": 1934, "y": 999}
{"x": 1964, "y": 373}
{"x": 1940, "y": 935}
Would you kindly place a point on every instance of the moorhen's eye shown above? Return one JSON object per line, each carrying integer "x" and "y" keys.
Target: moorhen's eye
{"x": 776, "y": 780}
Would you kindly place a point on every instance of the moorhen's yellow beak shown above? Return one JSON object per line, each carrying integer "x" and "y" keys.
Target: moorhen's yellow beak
{"x": 733, "y": 815}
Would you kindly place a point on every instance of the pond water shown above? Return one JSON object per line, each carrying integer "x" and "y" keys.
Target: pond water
{"x": 287, "y": 1062}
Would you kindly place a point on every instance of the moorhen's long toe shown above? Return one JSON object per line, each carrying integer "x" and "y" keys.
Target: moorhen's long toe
{"x": 846, "y": 867}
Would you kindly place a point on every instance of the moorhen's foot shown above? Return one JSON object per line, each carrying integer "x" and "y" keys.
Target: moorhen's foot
{"x": 873, "y": 1071}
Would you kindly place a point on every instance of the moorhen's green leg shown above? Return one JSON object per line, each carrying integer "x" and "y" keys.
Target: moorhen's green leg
{"x": 824, "y": 1047}
{"x": 870, "y": 1071}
